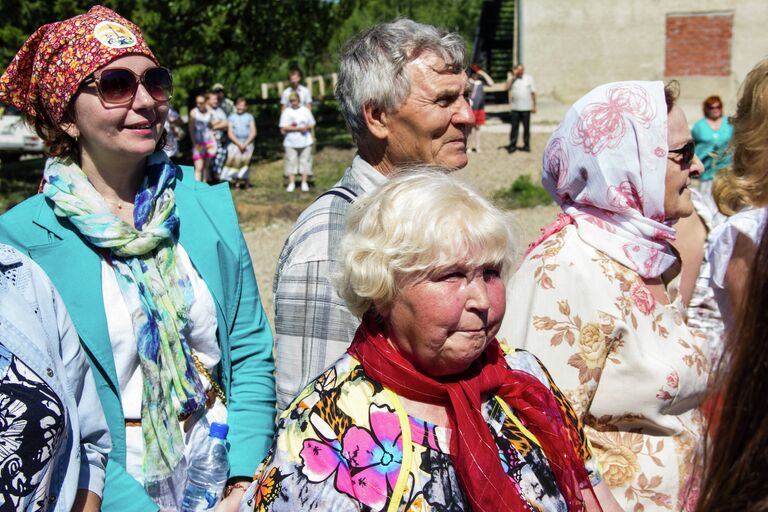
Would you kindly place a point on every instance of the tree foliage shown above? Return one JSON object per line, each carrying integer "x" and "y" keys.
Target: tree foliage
{"x": 239, "y": 43}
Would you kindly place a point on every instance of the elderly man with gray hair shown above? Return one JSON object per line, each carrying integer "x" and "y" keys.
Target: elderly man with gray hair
{"x": 403, "y": 95}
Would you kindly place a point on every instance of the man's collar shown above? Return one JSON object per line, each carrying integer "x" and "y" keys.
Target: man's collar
{"x": 366, "y": 175}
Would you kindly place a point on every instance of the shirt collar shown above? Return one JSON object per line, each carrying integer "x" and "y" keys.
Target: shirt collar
{"x": 364, "y": 173}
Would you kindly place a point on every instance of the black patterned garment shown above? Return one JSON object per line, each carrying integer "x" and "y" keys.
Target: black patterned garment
{"x": 31, "y": 427}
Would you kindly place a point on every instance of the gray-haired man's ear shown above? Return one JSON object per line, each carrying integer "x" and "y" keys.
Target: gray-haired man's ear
{"x": 376, "y": 120}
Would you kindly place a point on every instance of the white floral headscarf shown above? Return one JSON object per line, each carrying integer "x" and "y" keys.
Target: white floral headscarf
{"x": 605, "y": 165}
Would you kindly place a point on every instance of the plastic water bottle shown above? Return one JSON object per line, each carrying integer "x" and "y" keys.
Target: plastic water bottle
{"x": 207, "y": 472}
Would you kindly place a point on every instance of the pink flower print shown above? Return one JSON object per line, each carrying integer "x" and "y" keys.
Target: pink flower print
{"x": 642, "y": 260}
{"x": 651, "y": 261}
{"x": 663, "y": 395}
{"x": 597, "y": 221}
{"x": 642, "y": 298}
{"x": 322, "y": 459}
{"x": 661, "y": 234}
{"x": 673, "y": 380}
{"x": 375, "y": 457}
{"x": 603, "y": 125}
{"x": 624, "y": 197}
{"x": 660, "y": 152}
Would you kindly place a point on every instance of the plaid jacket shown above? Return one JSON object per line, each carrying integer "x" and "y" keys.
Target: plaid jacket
{"x": 313, "y": 326}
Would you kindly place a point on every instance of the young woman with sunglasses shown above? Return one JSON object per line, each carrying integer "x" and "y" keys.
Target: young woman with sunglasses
{"x": 596, "y": 297}
{"x": 742, "y": 195}
{"x": 150, "y": 263}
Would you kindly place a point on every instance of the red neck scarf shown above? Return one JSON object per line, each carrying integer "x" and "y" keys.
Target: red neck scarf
{"x": 473, "y": 451}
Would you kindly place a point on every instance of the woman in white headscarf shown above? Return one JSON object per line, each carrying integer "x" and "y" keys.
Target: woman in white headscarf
{"x": 596, "y": 296}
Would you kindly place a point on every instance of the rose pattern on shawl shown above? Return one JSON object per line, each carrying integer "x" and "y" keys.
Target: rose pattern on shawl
{"x": 596, "y": 221}
{"x": 624, "y": 197}
{"x": 366, "y": 463}
{"x": 609, "y": 140}
{"x": 664, "y": 235}
{"x": 645, "y": 258}
{"x": 602, "y": 125}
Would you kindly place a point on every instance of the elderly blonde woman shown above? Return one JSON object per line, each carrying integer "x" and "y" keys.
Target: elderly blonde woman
{"x": 426, "y": 411}
{"x": 597, "y": 296}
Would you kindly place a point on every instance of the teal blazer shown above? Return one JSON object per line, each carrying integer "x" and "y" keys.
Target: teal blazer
{"x": 210, "y": 234}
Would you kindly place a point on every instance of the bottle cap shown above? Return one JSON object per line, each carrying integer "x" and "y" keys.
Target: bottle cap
{"x": 219, "y": 430}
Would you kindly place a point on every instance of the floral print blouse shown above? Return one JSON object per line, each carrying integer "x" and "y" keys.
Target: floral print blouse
{"x": 634, "y": 372}
{"x": 344, "y": 442}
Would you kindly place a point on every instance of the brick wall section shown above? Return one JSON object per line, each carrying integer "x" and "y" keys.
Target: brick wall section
{"x": 698, "y": 45}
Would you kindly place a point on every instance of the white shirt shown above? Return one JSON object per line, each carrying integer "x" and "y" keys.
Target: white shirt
{"x": 520, "y": 96}
{"x": 721, "y": 243}
{"x": 292, "y": 117}
{"x": 200, "y": 333}
{"x": 305, "y": 97}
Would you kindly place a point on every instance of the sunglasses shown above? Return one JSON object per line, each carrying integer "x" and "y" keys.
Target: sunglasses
{"x": 686, "y": 152}
{"x": 118, "y": 86}
{"x": 713, "y": 107}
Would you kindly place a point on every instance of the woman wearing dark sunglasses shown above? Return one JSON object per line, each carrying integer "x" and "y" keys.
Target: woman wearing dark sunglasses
{"x": 596, "y": 297}
{"x": 712, "y": 134}
{"x": 150, "y": 263}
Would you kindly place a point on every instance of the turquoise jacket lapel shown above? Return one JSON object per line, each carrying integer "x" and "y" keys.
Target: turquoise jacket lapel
{"x": 83, "y": 272}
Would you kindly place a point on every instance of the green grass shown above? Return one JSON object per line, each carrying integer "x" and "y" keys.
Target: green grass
{"x": 267, "y": 200}
{"x": 523, "y": 193}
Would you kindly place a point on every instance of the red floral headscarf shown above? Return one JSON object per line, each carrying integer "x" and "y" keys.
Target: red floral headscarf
{"x": 48, "y": 69}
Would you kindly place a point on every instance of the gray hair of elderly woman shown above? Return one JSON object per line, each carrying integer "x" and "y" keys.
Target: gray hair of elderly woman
{"x": 421, "y": 222}
{"x": 372, "y": 66}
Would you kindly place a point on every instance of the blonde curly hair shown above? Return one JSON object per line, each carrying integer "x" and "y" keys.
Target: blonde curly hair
{"x": 744, "y": 184}
{"x": 419, "y": 223}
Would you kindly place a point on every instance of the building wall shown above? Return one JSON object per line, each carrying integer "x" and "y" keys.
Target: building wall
{"x": 570, "y": 47}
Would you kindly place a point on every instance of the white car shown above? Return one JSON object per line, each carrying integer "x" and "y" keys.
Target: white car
{"x": 17, "y": 138}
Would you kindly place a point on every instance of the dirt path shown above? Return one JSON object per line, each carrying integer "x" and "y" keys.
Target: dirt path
{"x": 489, "y": 170}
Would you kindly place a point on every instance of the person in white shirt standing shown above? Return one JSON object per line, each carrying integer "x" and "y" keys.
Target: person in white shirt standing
{"x": 305, "y": 96}
{"x": 296, "y": 123}
{"x": 523, "y": 102}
